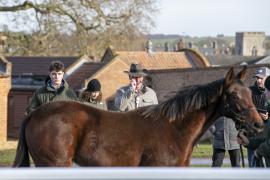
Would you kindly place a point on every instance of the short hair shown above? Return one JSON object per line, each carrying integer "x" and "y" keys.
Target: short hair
{"x": 57, "y": 66}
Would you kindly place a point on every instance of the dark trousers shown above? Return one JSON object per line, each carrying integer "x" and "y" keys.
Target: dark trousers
{"x": 218, "y": 156}
{"x": 250, "y": 154}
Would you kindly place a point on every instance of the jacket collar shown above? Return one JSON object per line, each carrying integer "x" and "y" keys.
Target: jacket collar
{"x": 51, "y": 88}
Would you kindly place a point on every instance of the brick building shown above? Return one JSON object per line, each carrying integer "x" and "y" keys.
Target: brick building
{"x": 5, "y": 85}
{"x": 112, "y": 75}
{"x": 29, "y": 74}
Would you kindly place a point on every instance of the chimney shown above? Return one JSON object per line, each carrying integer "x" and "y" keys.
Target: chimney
{"x": 175, "y": 48}
{"x": 149, "y": 46}
{"x": 190, "y": 45}
{"x": 3, "y": 39}
{"x": 92, "y": 58}
{"x": 181, "y": 44}
{"x": 214, "y": 45}
{"x": 167, "y": 48}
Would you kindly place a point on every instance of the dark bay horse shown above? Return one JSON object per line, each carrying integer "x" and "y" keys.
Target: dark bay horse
{"x": 60, "y": 133}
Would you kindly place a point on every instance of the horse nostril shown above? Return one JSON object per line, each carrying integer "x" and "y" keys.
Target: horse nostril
{"x": 257, "y": 125}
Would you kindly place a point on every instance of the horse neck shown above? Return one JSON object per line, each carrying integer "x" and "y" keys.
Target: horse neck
{"x": 195, "y": 124}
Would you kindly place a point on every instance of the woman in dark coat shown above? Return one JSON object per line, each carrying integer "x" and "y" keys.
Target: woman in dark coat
{"x": 225, "y": 139}
{"x": 93, "y": 96}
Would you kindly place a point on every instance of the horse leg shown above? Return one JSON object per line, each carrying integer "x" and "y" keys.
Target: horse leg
{"x": 48, "y": 151}
{"x": 51, "y": 157}
{"x": 187, "y": 160}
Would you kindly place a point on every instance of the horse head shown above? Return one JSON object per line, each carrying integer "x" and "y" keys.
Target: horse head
{"x": 237, "y": 102}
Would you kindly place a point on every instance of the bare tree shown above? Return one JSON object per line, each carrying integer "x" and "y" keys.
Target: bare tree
{"x": 52, "y": 24}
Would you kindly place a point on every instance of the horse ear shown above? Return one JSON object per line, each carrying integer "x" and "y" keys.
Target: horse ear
{"x": 229, "y": 77}
{"x": 242, "y": 74}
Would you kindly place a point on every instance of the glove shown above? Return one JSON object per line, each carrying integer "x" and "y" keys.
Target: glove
{"x": 242, "y": 139}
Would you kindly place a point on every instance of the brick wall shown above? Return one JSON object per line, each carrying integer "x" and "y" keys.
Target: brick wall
{"x": 167, "y": 82}
{"x": 5, "y": 85}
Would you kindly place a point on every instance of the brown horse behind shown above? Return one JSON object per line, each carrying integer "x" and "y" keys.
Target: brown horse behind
{"x": 60, "y": 133}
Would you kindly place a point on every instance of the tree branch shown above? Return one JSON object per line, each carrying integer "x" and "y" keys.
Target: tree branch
{"x": 22, "y": 7}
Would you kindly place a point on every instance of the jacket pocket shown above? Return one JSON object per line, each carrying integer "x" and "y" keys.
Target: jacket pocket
{"x": 147, "y": 101}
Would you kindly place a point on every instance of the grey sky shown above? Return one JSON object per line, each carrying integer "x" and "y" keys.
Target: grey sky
{"x": 212, "y": 17}
{"x": 201, "y": 17}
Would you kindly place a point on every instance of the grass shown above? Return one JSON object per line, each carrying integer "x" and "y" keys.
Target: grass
{"x": 7, "y": 153}
{"x": 205, "y": 150}
{"x": 7, "y": 157}
{"x": 8, "y": 150}
{"x": 202, "y": 151}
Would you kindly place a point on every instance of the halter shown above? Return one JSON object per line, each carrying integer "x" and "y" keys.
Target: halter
{"x": 237, "y": 116}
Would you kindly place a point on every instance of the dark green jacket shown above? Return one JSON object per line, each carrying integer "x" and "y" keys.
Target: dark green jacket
{"x": 47, "y": 94}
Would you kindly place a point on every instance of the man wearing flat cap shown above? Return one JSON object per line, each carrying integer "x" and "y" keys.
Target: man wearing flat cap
{"x": 259, "y": 100}
{"x": 136, "y": 94}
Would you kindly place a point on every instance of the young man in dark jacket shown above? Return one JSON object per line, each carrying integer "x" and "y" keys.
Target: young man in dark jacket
{"x": 55, "y": 88}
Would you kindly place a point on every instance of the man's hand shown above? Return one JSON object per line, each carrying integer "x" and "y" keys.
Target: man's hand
{"x": 133, "y": 84}
{"x": 136, "y": 85}
{"x": 241, "y": 142}
{"x": 264, "y": 116}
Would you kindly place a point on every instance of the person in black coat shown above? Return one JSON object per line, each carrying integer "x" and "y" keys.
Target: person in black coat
{"x": 263, "y": 150}
{"x": 225, "y": 139}
{"x": 259, "y": 100}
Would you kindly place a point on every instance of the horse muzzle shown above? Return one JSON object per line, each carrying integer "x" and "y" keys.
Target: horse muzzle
{"x": 255, "y": 127}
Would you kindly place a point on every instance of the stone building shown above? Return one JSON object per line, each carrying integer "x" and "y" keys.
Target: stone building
{"x": 249, "y": 43}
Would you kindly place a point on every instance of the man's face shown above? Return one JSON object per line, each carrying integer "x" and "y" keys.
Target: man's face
{"x": 56, "y": 77}
{"x": 260, "y": 81}
{"x": 138, "y": 80}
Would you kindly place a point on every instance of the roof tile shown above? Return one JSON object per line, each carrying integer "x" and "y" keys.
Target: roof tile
{"x": 86, "y": 70}
{"x": 36, "y": 65}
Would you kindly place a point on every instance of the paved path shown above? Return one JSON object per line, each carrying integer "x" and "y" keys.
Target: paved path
{"x": 208, "y": 161}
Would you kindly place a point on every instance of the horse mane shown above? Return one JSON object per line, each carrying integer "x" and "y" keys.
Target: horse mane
{"x": 187, "y": 100}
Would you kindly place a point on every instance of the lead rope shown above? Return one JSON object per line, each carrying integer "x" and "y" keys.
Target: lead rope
{"x": 242, "y": 156}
